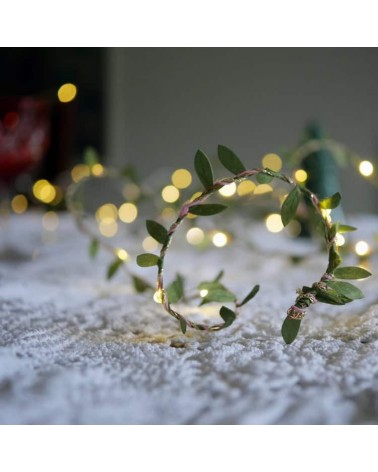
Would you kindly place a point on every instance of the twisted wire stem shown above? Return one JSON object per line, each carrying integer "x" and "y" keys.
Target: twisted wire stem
{"x": 303, "y": 300}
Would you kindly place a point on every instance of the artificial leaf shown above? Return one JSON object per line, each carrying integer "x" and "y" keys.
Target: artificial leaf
{"x": 219, "y": 276}
{"x": 157, "y": 231}
{"x": 218, "y": 295}
{"x": 183, "y": 325}
{"x": 251, "y": 294}
{"x": 290, "y": 205}
{"x": 113, "y": 268}
{"x": 207, "y": 210}
{"x": 90, "y": 157}
{"x": 333, "y": 231}
{"x": 334, "y": 260}
{"x": 230, "y": 160}
{"x": 331, "y": 296}
{"x": 147, "y": 260}
{"x": 351, "y": 273}
{"x": 175, "y": 291}
{"x": 94, "y": 246}
{"x": 346, "y": 228}
{"x": 290, "y": 329}
{"x": 227, "y": 315}
{"x": 330, "y": 202}
{"x": 345, "y": 288}
{"x": 263, "y": 178}
{"x": 140, "y": 285}
{"x": 203, "y": 168}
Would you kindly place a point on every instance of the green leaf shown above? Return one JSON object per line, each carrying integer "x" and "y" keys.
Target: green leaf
{"x": 227, "y": 315}
{"x": 219, "y": 276}
{"x": 331, "y": 296}
{"x": 175, "y": 290}
{"x": 290, "y": 205}
{"x": 333, "y": 230}
{"x": 207, "y": 210}
{"x": 157, "y": 231}
{"x": 113, "y": 268}
{"x": 290, "y": 329}
{"x": 218, "y": 295}
{"x": 140, "y": 285}
{"x": 330, "y": 202}
{"x": 90, "y": 157}
{"x": 147, "y": 260}
{"x": 263, "y": 178}
{"x": 346, "y": 228}
{"x": 334, "y": 260}
{"x": 183, "y": 325}
{"x": 94, "y": 246}
{"x": 230, "y": 160}
{"x": 351, "y": 273}
{"x": 251, "y": 294}
{"x": 348, "y": 290}
{"x": 203, "y": 168}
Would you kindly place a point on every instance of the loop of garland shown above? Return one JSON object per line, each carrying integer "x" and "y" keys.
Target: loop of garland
{"x": 326, "y": 290}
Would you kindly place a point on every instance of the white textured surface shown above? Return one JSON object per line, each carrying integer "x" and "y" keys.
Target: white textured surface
{"x": 77, "y": 349}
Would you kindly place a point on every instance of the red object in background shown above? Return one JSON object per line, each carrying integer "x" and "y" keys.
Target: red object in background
{"x": 24, "y": 135}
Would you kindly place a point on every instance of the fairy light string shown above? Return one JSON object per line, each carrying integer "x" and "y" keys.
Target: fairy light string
{"x": 326, "y": 290}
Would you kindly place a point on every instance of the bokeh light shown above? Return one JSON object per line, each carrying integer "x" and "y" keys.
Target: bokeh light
{"x": 107, "y": 213}
{"x": 44, "y": 191}
{"x": 67, "y": 92}
{"x": 181, "y": 178}
{"x": 362, "y": 248}
{"x": 274, "y": 223}
{"x": 366, "y": 168}
{"x": 219, "y": 239}
{"x": 272, "y": 161}
{"x": 159, "y": 296}
{"x": 195, "y": 236}
{"x": 108, "y": 229}
{"x": 170, "y": 194}
{"x": 122, "y": 254}
{"x": 19, "y": 204}
{"x": 263, "y": 188}
{"x": 300, "y": 176}
{"x": 79, "y": 172}
{"x": 149, "y": 244}
{"x": 128, "y": 212}
{"x": 50, "y": 221}
{"x": 228, "y": 190}
{"x": 246, "y": 187}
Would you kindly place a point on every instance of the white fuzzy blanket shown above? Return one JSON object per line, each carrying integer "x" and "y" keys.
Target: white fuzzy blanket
{"x": 77, "y": 349}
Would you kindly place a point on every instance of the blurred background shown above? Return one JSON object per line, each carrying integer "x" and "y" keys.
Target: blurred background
{"x": 154, "y": 107}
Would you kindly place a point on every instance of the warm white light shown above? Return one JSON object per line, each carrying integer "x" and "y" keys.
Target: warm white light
{"x": 195, "y": 236}
{"x": 362, "y": 248}
{"x": 106, "y": 213}
{"x": 366, "y": 168}
{"x": 79, "y": 172}
{"x": 168, "y": 214}
{"x": 340, "y": 240}
{"x": 97, "y": 169}
{"x": 246, "y": 187}
{"x": 170, "y": 194}
{"x": 272, "y": 161}
{"x": 263, "y": 188}
{"x": 127, "y": 212}
{"x": 274, "y": 223}
{"x": 181, "y": 178}
{"x": 19, "y": 204}
{"x": 220, "y": 239}
{"x": 122, "y": 254}
{"x": 228, "y": 190}
{"x": 108, "y": 229}
{"x": 50, "y": 221}
{"x": 67, "y": 92}
{"x": 159, "y": 296}
{"x": 149, "y": 244}
{"x": 44, "y": 191}
{"x": 203, "y": 292}
{"x": 300, "y": 176}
